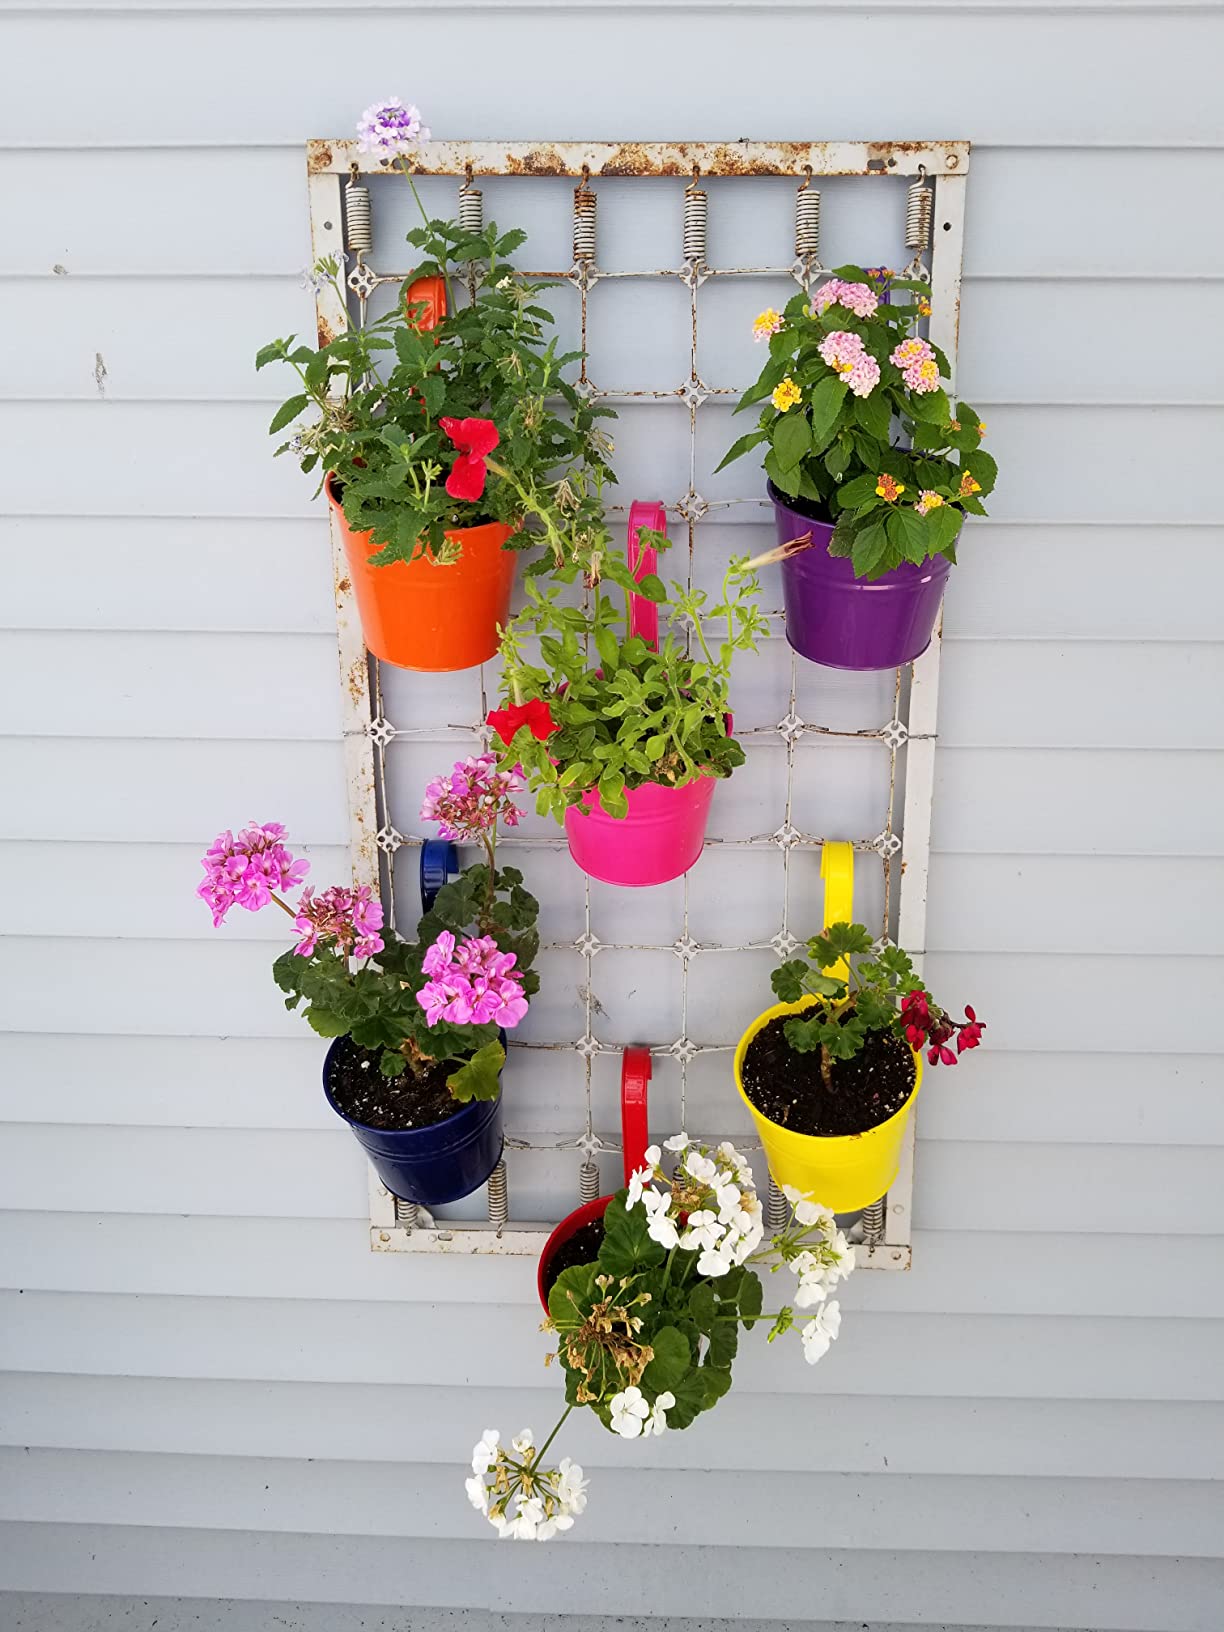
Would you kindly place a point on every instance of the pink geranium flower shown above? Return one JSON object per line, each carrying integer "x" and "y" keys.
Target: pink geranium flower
{"x": 473, "y": 799}
{"x": 350, "y": 918}
{"x": 472, "y": 984}
{"x": 244, "y": 871}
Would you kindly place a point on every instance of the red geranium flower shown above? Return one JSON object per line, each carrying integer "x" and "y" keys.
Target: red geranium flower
{"x": 474, "y": 438}
{"x": 535, "y": 715}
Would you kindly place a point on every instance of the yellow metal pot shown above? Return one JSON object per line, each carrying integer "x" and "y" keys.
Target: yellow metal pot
{"x": 852, "y": 1170}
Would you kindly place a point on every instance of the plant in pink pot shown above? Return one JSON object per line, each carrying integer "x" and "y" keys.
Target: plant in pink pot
{"x": 871, "y": 469}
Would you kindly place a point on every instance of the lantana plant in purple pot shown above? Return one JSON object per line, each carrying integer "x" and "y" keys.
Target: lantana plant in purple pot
{"x": 418, "y": 1027}
{"x": 871, "y": 469}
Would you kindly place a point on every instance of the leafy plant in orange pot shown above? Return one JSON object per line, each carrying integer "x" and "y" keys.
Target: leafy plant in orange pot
{"x": 400, "y": 415}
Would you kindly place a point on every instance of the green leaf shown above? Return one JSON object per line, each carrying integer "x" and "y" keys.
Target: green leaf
{"x": 703, "y": 1306}
{"x": 874, "y": 415}
{"x": 724, "y": 1344}
{"x": 651, "y": 587}
{"x": 325, "y": 1024}
{"x": 825, "y": 404}
{"x": 857, "y": 490}
{"x": 944, "y": 528}
{"x": 983, "y": 468}
{"x": 672, "y": 1359}
{"x": 744, "y": 445}
{"x": 786, "y": 481}
{"x": 480, "y": 1078}
{"x": 870, "y": 548}
{"x": 931, "y": 406}
{"x": 751, "y": 1297}
{"x": 626, "y": 1247}
{"x": 792, "y": 439}
{"x": 908, "y": 533}
{"x": 571, "y": 1296}
{"x": 287, "y": 412}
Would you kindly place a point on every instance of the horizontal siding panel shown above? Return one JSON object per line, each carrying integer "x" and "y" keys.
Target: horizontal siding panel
{"x": 1003, "y": 589}
{"x": 1098, "y": 694}
{"x": 497, "y": 1345}
{"x": 211, "y": 459}
{"x": 143, "y": 891}
{"x": 1098, "y": 1593}
{"x": 74, "y": 788}
{"x": 1101, "y": 802}
{"x": 963, "y": 1185}
{"x": 265, "y": 576}
{"x": 346, "y": 1498}
{"x": 273, "y": 1083}
{"x": 1071, "y": 356}
{"x": 1148, "y": 905}
{"x": 1005, "y": 1438}
{"x": 979, "y": 1273}
{"x": 185, "y": 1082}
{"x": 1114, "y": 76}
{"x": 195, "y": 686}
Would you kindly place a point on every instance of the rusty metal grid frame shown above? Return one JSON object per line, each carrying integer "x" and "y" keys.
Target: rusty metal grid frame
{"x": 400, "y": 1227}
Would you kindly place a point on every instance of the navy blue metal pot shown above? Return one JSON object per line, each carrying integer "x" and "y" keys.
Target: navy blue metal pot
{"x": 442, "y": 1162}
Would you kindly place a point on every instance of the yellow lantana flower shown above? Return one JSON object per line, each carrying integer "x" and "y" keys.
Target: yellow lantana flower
{"x": 769, "y": 322}
{"x": 786, "y": 395}
{"x": 888, "y": 487}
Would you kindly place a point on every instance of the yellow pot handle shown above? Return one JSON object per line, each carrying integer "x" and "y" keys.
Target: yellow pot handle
{"x": 837, "y": 870}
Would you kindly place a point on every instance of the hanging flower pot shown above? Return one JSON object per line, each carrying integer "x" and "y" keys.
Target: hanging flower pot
{"x": 576, "y": 1239}
{"x": 845, "y": 622}
{"x": 627, "y": 754}
{"x": 425, "y": 616}
{"x": 871, "y": 468}
{"x": 437, "y": 1162}
{"x": 830, "y": 1074}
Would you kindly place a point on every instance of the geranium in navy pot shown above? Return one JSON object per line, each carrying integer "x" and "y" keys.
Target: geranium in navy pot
{"x": 418, "y": 1027}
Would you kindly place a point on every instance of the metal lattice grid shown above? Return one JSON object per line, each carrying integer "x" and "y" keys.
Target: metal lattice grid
{"x": 378, "y": 700}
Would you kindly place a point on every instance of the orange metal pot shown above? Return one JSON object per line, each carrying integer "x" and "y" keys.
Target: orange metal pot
{"x": 419, "y": 615}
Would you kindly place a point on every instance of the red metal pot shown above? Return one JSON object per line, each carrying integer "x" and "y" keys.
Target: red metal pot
{"x": 635, "y": 1136}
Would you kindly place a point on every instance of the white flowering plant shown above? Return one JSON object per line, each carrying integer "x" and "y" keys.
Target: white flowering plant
{"x": 647, "y": 1334}
{"x": 859, "y": 427}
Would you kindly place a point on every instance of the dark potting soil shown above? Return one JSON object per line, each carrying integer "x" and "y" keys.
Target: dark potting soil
{"x": 392, "y": 1103}
{"x": 787, "y": 1087}
{"x": 581, "y": 1248}
{"x": 812, "y": 509}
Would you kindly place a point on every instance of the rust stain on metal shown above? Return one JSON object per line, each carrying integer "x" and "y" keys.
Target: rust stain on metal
{"x": 318, "y": 157}
{"x": 343, "y": 586}
{"x": 540, "y": 161}
{"x": 635, "y": 159}
{"x": 326, "y": 333}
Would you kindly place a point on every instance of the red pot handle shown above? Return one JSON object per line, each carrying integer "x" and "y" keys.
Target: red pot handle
{"x": 644, "y": 614}
{"x": 635, "y": 1120}
{"x": 428, "y": 296}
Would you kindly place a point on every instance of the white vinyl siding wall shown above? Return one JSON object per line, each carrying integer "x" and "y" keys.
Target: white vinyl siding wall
{"x": 210, "y": 1387}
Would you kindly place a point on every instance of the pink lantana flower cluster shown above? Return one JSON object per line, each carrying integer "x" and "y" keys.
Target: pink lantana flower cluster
{"x": 846, "y": 353}
{"x": 917, "y": 363}
{"x": 858, "y": 298}
{"x": 244, "y": 871}
{"x": 470, "y": 985}
{"x": 351, "y": 918}
{"x": 473, "y": 799}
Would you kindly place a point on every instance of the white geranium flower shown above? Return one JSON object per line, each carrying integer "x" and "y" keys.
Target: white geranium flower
{"x": 735, "y": 1161}
{"x": 699, "y": 1167}
{"x": 703, "y": 1230}
{"x": 478, "y": 1493}
{"x": 663, "y": 1229}
{"x": 714, "y": 1262}
{"x": 657, "y": 1421}
{"x": 678, "y": 1141}
{"x": 484, "y": 1455}
{"x": 629, "y": 1411}
{"x": 530, "y": 1517}
{"x": 806, "y": 1211}
{"x": 847, "y": 1261}
{"x": 637, "y": 1184}
{"x": 727, "y": 1198}
{"x": 571, "y": 1486}
{"x": 818, "y": 1334}
{"x": 523, "y": 1444}
{"x": 810, "y": 1291}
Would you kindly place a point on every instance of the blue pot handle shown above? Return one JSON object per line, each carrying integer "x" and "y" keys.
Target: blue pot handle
{"x": 439, "y": 864}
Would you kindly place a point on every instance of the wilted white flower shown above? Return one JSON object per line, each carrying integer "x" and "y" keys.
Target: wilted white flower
{"x": 629, "y": 1411}
{"x": 820, "y": 1332}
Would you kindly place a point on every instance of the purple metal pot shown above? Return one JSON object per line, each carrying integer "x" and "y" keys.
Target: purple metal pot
{"x": 442, "y": 1162}
{"x": 845, "y": 622}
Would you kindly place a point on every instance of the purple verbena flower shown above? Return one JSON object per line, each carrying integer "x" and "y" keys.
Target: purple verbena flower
{"x": 472, "y": 984}
{"x": 390, "y": 128}
{"x": 244, "y": 871}
{"x": 350, "y": 918}
{"x": 473, "y": 799}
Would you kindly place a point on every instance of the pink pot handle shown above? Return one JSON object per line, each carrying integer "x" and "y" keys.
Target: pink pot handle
{"x": 644, "y": 614}
{"x": 635, "y": 1120}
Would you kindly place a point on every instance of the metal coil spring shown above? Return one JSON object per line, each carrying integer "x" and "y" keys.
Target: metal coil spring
{"x": 696, "y": 223}
{"x": 585, "y": 203}
{"x": 919, "y": 207}
{"x": 471, "y": 208}
{"x": 358, "y": 222}
{"x": 777, "y": 1211}
{"x": 873, "y": 1223}
{"x": 405, "y": 1213}
{"x": 807, "y": 221}
{"x": 588, "y": 1182}
{"x": 499, "y": 1195}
